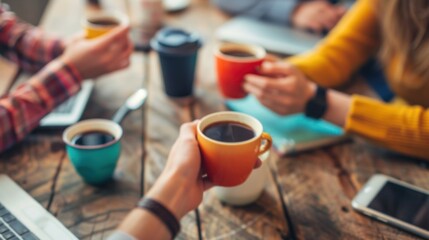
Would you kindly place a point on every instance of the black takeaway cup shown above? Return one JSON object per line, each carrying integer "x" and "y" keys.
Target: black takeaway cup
{"x": 177, "y": 50}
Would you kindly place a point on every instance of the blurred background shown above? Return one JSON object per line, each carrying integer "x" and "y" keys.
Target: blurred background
{"x": 28, "y": 10}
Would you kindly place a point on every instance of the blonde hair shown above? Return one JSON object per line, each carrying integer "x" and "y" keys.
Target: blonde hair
{"x": 404, "y": 27}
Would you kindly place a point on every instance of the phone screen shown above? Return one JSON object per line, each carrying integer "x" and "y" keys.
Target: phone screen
{"x": 403, "y": 203}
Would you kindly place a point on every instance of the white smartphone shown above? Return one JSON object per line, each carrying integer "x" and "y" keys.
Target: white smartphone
{"x": 395, "y": 202}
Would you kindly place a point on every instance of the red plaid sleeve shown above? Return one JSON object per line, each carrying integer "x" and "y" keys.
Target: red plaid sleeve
{"x": 21, "y": 110}
{"x": 26, "y": 45}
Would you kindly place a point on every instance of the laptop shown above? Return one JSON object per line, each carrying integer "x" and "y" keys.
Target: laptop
{"x": 70, "y": 111}
{"x": 273, "y": 37}
{"x": 22, "y": 217}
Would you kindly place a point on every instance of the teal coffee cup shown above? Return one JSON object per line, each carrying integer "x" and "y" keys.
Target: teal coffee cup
{"x": 93, "y": 147}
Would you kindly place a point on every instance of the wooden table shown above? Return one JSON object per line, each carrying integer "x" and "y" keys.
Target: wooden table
{"x": 308, "y": 195}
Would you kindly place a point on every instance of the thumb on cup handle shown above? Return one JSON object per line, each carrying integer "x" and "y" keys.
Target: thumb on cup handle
{"x": 268, "y": 143}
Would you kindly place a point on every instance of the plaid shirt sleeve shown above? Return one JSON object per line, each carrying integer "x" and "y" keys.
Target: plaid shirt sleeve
{"x": 21, "y": 110}
{"x": 27, "y": 46}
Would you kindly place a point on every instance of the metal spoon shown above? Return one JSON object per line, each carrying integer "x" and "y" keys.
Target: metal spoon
{"x": 133, "y": 102}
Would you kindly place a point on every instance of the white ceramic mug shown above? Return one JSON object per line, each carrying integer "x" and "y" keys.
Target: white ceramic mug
{"x": 250, "y": 190}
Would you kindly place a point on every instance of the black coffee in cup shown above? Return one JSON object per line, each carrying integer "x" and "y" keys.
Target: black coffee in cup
{"x": 105, "y": 22}
{"x": 92, "y": 138}
{"x": 229, "y": 131}
{"x": 238, "y": 53}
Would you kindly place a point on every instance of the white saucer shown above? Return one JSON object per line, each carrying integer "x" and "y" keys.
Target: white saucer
{"x": 175, "y": 5}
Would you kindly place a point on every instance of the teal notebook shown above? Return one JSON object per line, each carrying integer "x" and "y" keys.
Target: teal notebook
{"x": 291, "y": 133}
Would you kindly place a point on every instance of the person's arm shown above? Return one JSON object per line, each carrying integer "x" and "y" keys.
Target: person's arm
{"x": 404, "y": 129}
{"x": 142, "y": 224}
{"x": 278, "y": 11}
{"x": 27, "y": 46}
{"x": 179, "y": 188}
{"x": 349, "y": 45}
{"x": 22, "y": 109}
{"x": 400, "y": 128}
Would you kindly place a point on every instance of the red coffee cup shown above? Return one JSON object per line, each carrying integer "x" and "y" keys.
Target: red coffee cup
{"x": 233, "y": 62}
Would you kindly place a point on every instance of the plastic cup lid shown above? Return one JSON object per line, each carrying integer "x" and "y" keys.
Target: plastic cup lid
{"x": 176, "y": 41}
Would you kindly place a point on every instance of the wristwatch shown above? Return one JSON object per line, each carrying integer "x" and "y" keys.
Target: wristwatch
{"x": 317, "y": 105}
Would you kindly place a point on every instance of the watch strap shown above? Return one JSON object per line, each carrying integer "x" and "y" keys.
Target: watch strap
{"x": 317, "y": 105}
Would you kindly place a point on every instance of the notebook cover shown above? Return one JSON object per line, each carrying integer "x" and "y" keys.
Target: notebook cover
{"x": 292, "y": 133}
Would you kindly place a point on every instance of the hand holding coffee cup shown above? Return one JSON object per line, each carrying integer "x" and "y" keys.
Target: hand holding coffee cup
{"x": 233, "y": 62}
{"x": 230, "y": 144}
{"x": 94, "y": 57}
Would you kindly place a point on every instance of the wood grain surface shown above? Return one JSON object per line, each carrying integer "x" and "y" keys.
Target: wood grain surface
{"x": 308, "y": 195}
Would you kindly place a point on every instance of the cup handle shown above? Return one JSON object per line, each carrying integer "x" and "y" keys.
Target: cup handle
{"x": 268, "y": 143}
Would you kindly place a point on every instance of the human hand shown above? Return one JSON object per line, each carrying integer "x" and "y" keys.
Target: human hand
{"x": 181, "y": 184}
{"x": 317, "y": 15}
{"x": 280, "y": 87}
{"x": 179, "y": 188}
{"x": 104, "y": 54}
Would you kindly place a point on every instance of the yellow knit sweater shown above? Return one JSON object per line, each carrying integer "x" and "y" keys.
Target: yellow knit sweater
{"x": 353, "y": 41}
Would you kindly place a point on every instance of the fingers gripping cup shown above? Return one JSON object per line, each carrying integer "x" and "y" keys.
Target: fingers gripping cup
{"x": 233, "y": 62}
{"x": 230, "y": 144}
{"x": 93, "y": 147}
{"x": 177, "y": 50}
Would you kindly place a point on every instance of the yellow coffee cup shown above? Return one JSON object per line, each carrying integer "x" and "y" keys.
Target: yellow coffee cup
{"x": 230, "y": 144}
{"x": 98, "y": 23}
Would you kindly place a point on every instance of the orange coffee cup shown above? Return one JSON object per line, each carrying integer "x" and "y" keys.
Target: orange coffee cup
{"x": 230, "y": 163}
{"x": 233, "y": 62}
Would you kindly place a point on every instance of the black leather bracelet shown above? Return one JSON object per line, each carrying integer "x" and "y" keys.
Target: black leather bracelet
{"x": 162, "y": 213}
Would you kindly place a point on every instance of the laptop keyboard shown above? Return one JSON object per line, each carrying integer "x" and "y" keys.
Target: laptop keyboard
{"x": 11, "y": 228}
{"x": 67, "y": 106}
